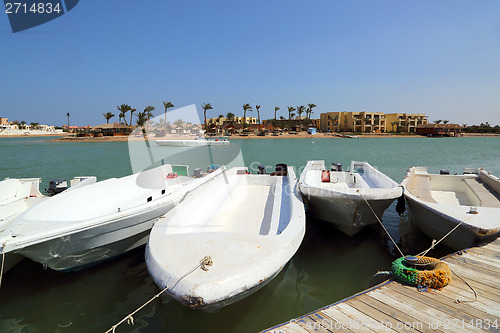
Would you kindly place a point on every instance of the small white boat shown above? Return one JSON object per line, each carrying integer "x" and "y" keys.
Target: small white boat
{"x": 214, "y": 141}
{"x": 439, "y": 202}
{"x": 341, "y": 197}
{"x": 250, "y": 226}
{"x": 93, "y": 223}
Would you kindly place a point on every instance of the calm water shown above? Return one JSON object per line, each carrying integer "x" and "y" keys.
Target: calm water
{"x": 328, "y": 266}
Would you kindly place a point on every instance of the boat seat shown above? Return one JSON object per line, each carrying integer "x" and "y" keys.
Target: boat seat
{"x": 487, "y": 197}
{"x": 422, "y": 188}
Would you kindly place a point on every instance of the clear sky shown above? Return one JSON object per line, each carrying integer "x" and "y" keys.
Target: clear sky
{"x": 438, "y": 57}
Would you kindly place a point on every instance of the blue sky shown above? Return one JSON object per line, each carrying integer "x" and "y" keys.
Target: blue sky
{"x": 441, "y": 58}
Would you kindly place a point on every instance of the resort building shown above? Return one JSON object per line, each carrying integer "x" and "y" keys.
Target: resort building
{"x": 374, "y": 122}
{"x": 219, "y": 121}
{"x": 404, "y": 122}
{"x": 4, "y": 121}
{"x": 438, "y": 130}
{"x": 370, "y": 122}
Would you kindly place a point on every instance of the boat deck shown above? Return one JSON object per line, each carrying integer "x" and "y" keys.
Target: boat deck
{"x": 395, "y": 307}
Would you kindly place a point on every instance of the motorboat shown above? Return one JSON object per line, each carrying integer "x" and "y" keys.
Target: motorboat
{"x": 250, "y": 225}
{"x": 348, "y": 199}
{"x": 93, "y": 223}
{"x": 464, "y": 209}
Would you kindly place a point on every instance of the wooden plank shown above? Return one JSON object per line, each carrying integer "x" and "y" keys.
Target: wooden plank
{"x": 482, "y": 289}
{"x": 323, "y": 320}
{"x": 472, "y": 274}
{"x": 310, "y": 325}
{"x": 459, "y": 312}
{"x": 481, "y": 303}
{"x": 477, "y": 265}
{"x": 373, "y": 312}
{"x": 394, "y": 300}
{"x": 484, "y": 259}
{"x": 406, "y": 322}
{"x": 290, "y": 327}
{"x": 340, "y": 320}
{"x": 362, "y": 317}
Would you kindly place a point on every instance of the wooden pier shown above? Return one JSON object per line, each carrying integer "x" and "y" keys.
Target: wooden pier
{"x": 395, "y": 307}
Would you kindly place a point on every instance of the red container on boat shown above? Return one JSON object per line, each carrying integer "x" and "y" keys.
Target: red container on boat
{"x": 172, "y": 175}
{"x": 325, "y": 176}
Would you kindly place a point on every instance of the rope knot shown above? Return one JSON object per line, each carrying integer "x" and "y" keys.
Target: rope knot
{"x": 206, "y": 262}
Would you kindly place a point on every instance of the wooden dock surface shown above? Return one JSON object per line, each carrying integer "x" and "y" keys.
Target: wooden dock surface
{"x": 396, "y": 307}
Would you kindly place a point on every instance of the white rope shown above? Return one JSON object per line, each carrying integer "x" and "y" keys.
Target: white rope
{"x": 434, "y": 243}
{"x": 387, "y": 232}
{"x": 204, "y": 263}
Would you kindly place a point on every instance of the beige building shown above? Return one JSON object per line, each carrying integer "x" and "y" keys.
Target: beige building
{"x": 405, "y": 122}
{"x": 370, "y": 122}
{"x": 236, "y": 120}
{"x": 374, "y": 122}
{"x": 4, "y": 121}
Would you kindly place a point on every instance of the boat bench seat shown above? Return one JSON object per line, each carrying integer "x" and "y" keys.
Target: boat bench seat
{"x": 487, "y": 197}
{"x": 422, "y": 188}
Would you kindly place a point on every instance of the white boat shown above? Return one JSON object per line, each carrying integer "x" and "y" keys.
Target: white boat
{"x": 250, "y": 226}
{"x": 93, "y": 223}
{"x": 341, "y": 197}
{"x": 439, "y": 202}
{"x": 215, "y": 141}
{"x": 19, "y": 194}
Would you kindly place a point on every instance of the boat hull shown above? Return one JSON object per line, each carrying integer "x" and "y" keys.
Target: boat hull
{"x": 436, "y": 225}
{"x": 347, "y": 214}
{"x": 191, "y": 143}
{"x": 88, "y": 247}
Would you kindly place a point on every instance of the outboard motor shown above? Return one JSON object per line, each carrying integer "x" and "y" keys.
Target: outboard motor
{"x": 57, "y": 186}
{"x": 197, "y": 173}
{"x": 444, "y": 172}
{"x": 261, "y": 169}
{"x": 336, "y": 166}
{"x": 281, "y": 170}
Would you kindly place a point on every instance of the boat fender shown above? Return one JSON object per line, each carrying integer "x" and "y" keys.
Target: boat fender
{"x": 431, "y": 272}
{"x": 325, "y": 176}
{"x": 401, "y": 205}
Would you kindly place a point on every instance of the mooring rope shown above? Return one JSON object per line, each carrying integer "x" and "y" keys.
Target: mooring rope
{"x": 434, "y": 243}
{"x": 204, "y": 263}
{"x": 387, "y": 232}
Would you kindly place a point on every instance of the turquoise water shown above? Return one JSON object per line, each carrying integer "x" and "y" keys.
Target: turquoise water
{"x": 328, "y": 266}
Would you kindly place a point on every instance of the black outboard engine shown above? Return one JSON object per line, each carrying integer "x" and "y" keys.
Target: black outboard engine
{"x": 57, "y": 186}
{"x": 197, "y": 173}
{"x": 281, "y": 170}
{"x": 261, "y": 169}
{"x": 336, "y": 166}
{"x": 444, "y": 172}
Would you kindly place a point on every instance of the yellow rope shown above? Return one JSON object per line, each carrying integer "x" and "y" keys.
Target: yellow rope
{"x": 204, "y": 263}
{"x": 3, "y": 261}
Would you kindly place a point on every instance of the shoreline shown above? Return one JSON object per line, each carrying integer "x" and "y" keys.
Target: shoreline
{"x": 65, "y": 137}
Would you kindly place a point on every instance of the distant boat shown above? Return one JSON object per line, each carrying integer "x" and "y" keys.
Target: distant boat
{"x": 97, "y": 222}
{"x": 439, "y": 202}
{"x": 338, "y": 196}
{"x": 214, "y": 141}
{"x": 250, "y": 226}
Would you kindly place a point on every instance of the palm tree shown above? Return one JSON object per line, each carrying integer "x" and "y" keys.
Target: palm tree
{"x": 23, "y": 123}
{"x": 167, "y": 105}
{"x": 290, "y": 110}
{"x": 141, "y": 119}
{"x": 67, "y": 115}
{"x": 446, "y": 121}
{"x": 108, "y": 116}
{"x": 437, "y": 121}
{"x": 230, "y": 116}
{"x": 392, "y": 124}
{"x": 258, "y": 115}
{"x": 132, "y": 111}
{"x": 309, "y": 110}
{"x": 205, "y": 107}
{"x": 300, "y": 110}
{"x": 148, "y": 113}
{"x": 124, "y": 108}
{"x": 276, "y": 109}
{"x": 246, "y": 107}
